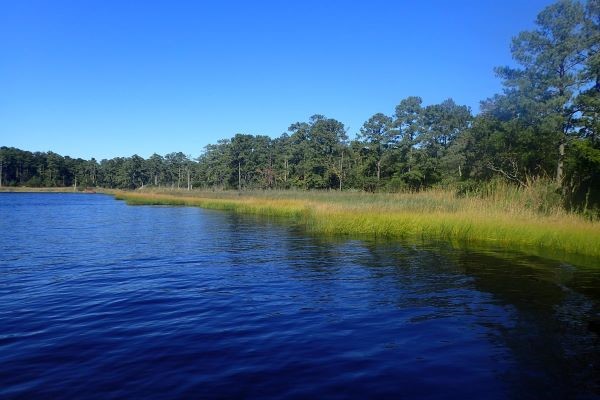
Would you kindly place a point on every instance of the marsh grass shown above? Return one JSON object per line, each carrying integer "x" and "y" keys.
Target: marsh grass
{"x": 502, "y": 215}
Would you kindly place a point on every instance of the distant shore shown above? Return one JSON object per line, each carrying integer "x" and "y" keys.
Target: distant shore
{"x": 25, "y": 189}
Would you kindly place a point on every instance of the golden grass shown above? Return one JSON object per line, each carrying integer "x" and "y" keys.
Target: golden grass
{"x": 435, "y": 214}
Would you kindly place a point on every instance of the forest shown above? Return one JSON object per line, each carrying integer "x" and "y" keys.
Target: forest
{"x": 542, "y": 129}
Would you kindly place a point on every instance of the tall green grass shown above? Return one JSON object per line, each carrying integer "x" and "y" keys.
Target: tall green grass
{"x": 503, "y": 215}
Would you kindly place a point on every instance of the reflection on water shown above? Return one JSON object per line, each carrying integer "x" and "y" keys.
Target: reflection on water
{"x": 98, "y": 299}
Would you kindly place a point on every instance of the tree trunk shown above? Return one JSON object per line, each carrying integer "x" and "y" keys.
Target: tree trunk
{"x": 561, "y": 161}
{"x": 341, "y": 170}
{"x": 188, "y": 179}
{"x": 378, "y": 170}
{"x": 239, "y": 176}
{"x": 304, "y": 171}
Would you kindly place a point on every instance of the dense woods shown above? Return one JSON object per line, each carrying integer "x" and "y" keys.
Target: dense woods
{"x": 544, "y": 127}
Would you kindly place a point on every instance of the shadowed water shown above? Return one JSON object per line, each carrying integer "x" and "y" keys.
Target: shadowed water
{"x": 102, "y": 300}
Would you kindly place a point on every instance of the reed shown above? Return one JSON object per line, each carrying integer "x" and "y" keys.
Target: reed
{"x": 507, "y": 219}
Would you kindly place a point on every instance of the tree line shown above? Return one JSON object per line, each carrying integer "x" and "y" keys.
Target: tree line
{"x": 544, "y": 125}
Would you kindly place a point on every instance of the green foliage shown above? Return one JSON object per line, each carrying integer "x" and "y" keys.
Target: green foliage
{"x": 583, "y": 175}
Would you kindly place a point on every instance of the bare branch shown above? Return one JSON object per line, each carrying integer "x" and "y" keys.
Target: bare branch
{"x": 511, "y": 176}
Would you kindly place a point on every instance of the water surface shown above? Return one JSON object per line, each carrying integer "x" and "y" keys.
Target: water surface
{"x": 102, "y": 300}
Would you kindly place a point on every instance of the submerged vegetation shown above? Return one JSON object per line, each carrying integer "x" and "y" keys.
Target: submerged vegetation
{"x": 504, "y": 215}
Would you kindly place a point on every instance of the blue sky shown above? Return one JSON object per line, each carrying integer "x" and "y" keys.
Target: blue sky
{"x": 99, "y": 78}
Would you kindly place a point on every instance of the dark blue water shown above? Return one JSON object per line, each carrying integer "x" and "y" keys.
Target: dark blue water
{"x": 102, "y": 300}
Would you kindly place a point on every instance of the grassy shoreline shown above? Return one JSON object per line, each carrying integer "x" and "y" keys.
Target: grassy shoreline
{"x": 26, "y": 189}
{"x": 434, "y": 215}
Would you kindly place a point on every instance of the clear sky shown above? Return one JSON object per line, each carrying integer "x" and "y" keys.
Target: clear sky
{"x": 100, "y": 78}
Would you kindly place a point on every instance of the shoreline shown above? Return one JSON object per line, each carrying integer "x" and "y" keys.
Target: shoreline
{"x": 566, "y": 234}
{"x": 25, "y": 189}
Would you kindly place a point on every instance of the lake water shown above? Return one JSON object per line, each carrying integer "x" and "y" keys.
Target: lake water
{"x": 102, "y": 300}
